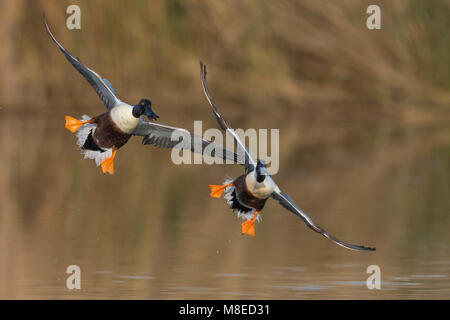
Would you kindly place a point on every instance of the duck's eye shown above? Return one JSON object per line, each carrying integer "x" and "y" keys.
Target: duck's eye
{"x": 142, "y": 103}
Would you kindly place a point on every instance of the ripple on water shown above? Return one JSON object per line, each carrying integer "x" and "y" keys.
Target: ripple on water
{"x": 194, "y": 289}
{"x": 231, "y": 275}
{"x": 101, "y": 272}
{"x": 309, "y": 287}
{"x": 344, "y": 265}
{"x": 383, "y": 283}
{"x": 428, "y": 276}
{"x": 118, "y": 281}
{"x": 295, "y": 269}
{"x": 136, "y": 277}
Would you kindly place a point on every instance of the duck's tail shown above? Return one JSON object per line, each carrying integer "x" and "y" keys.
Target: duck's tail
{"x": 87, "y": 144}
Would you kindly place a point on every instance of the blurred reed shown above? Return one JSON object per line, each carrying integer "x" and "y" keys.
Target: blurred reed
{"x": 364, "y": 136}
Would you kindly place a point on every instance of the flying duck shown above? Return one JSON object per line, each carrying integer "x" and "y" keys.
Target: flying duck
{"x": 248, "y": 193}
{"x": 100, "y": 137}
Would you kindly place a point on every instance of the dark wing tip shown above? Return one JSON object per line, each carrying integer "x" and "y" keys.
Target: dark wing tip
{"x": 45, "y": 20}
{"x": 359, "y": 248}
{"x": 336, "y": 240}
{"x": 203, "y": 69}
{"x": 286, "y": 202}
{"x": 368, "y": 248}
{"x": 340, "y": 242}
{"x": 47, "y": 28}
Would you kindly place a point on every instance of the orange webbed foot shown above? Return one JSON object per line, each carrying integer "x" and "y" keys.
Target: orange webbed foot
{"x": 108, "y": 163}
{"x": 108, "y": 166}
{"x": 248, "y": 227}
{"x": 73, "y": 125}
{"x": 216, "y": 191}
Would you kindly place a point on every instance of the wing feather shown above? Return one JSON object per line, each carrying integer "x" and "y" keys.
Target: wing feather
{"x": 289, "y": 204}
{"x": 163, "y": 136}
{"x": 250, "y": 161}
{"x": 101, "y": 86}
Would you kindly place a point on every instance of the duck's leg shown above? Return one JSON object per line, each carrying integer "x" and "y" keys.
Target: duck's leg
{"x": 248, "y": 227}
{"x": 73, "y": 125}
{"x": 108, "y": 163}
{"x": 216, "y": 191}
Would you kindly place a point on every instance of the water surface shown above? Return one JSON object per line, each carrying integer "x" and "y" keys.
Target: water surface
{"x": 152, "y": 232}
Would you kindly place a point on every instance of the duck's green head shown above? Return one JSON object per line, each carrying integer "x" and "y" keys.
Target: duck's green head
{"x": 144, "y": 107}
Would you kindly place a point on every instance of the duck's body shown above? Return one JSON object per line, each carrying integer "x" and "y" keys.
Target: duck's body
{"x": 248, "y": 193}
{"x": 100, "y": 137}
{"x": 114, "y": 127}
{"x": 122, "y": 117}
{"x": 242, "y": 197}
{"x": 108, "y": 134}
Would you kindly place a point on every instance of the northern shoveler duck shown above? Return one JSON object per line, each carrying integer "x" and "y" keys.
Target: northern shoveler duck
{"x": 100, "y": 137}
{"x": 248, "y": 193}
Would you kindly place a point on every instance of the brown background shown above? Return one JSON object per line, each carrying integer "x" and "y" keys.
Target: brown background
{"x": 364, "y": 149}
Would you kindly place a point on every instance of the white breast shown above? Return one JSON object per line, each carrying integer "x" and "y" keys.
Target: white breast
{"x": 122, "y": 116}
{"x": 261, "y": 190}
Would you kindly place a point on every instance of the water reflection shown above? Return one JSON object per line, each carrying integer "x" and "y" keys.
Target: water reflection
{"x": 310, "y": 287}
{"x": 151, "y": 231}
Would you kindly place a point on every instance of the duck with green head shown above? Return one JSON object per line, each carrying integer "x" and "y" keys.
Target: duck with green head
{"x": 248, "y": 193}
{"x": 100, "y": 137}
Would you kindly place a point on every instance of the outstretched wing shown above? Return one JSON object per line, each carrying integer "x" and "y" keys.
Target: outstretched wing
{"x": 290, "y": 205}
{"x": 102, "y": 86}
{"x": 250, "y": 161}
{"x": 163, "y": 136}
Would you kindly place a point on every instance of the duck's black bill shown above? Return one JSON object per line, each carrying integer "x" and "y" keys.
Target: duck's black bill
{"x": 151, "y": 115}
